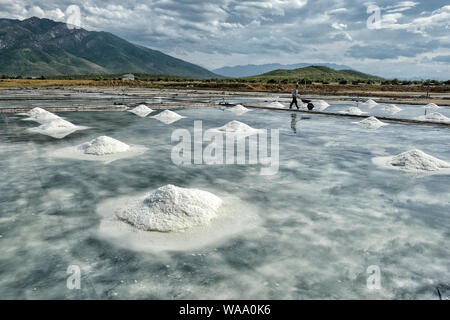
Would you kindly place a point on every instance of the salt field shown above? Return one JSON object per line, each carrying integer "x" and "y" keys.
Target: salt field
{"x": 348, "y": 194}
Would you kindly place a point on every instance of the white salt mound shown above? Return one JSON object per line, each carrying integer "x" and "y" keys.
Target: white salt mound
{"x": 171, "y": 209}
{"x": 392, "y": 109}
{"x": 417, "y": 160}
{"x": 58, "y": 128}
{"x": 371, "y": 123}
{"x": 370, "y": 104}
{"x": 41, "y": 116}
{"x": 276, "y": 104}
{"x": 435, "y": 117}
{"x": 168, "y": 117}
{"x": 103, "y": 145}
{"x": 431, "y": 106}
{"x": 236, "y": 127}
{"x": 141, "y": 110}
{"x": 57, "y": 124}
{"x": 239, "y": 110}
{"x": 320, "y": 105}
{"x": 353, "y": 111}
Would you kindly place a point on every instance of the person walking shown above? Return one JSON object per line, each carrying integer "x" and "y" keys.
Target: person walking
{"x": 294, "y": 98}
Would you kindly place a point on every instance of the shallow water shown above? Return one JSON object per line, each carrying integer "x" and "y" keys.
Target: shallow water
{"x": 328, "y": 215}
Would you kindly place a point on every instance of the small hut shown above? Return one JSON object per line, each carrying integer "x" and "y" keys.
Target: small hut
{"x": 128, "y": 77}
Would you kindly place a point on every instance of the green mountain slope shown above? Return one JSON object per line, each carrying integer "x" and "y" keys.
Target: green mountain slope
{"x": 35, "y": 47}
{"x": 313, "y": 73}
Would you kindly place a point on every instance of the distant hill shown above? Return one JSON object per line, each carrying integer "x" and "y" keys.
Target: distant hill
{"x": 253, "y": 70}
{"x": 313, "y": 73}
{"x": 35, "y": 47}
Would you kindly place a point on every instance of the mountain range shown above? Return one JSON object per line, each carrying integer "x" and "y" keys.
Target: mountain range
{"x": 253, "y": 70}
{"x": 35, "y": 47}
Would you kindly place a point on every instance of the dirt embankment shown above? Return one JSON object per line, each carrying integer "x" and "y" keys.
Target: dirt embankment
{"x": 417, "y": 91}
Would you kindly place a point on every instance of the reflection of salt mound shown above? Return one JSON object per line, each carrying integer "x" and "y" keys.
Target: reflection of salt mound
{"x": 371, "y": 123}
{"x": 104, "y": 145}
{"x": 320, "y": 105}
{"x": 57, "y": 128}
{"x": 370, "y": 104}
{"x": 141, "y": 111}
{"x": 276, "y": 104}
{"x": 353, "y": 111}
{"x": 237, "y": 128}
{"x": 434, "y": 117}
{"x": 392, "y": 109}
{"x": 239, "y": 110}
{"x": 168, "y": 117}
{"x": 171, "y": 208}
{"x": 431, "y": 106}
{"x": 413, "y": 161}
{"x": 41, "y": 116}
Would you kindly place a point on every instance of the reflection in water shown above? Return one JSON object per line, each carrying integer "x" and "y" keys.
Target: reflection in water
{"x": 294, "y": 122}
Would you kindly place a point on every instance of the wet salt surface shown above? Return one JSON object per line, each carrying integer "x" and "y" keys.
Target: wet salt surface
{"x": 328, "y": 215}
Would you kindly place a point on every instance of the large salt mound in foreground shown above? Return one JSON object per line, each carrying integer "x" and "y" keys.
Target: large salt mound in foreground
{"x": 141, "y": 110}
{"x": 371, "y": 123}
{"x": 413, "y": 161}
{"x": 418, "y": 160}
{"x": 392, "y": 109}
{"x": 353, "y": 111}
{"x": 104, "y": 145}
{"x": 171, "y": 209}
{"x": 168, "y": 117}
{"x": 239, "y": 110}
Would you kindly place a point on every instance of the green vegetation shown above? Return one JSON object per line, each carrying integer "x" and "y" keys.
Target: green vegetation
{"x": 320, "y": 74}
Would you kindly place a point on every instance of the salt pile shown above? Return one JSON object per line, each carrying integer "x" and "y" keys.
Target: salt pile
{"x": 104, "y": 149}
{"x": 237, "y": 128}
{"x": 141, "y": 110}
{"x": 168, "y": 117}
{"x": 353, "y": 111}
{"x": 172, "y": 209}
{"x": 431, "y": 106}
{"x": 276, "y": 104}
{"x": 413, "y": 161}
{"x": 434, "y": 117}
{"x": 104, "y": 145}
{"x": 371, "y": 123}
{"x": 41, "y": 116}
{"x": 57, "y": 128}
{"x": 320, "y": 105}
{"x": 370, "y": 104}
{"x": 239, "y": 110}
{"x": 392, "y": 109}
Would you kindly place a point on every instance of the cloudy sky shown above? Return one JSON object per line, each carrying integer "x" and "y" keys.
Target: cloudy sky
{"x": 404, "y": 39}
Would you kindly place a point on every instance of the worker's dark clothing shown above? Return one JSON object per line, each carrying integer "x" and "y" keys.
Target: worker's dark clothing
{"x": 294, "y": 101}
{"x": 294, "y": 98}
